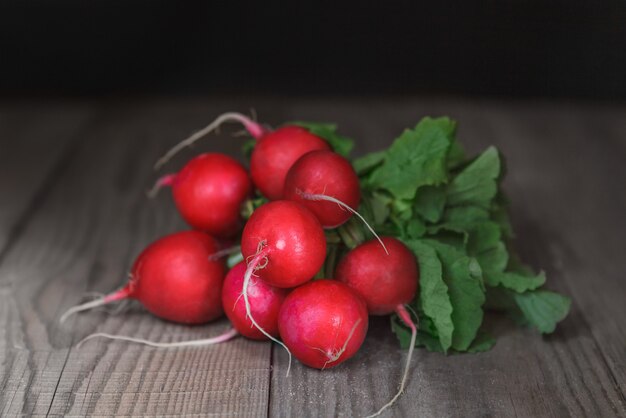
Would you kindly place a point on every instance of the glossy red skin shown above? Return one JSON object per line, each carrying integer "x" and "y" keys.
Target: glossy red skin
{"x": 294, "y": 241}
{"x": 276, "y": 152}
{"x": 209, "y": 191}
{"x": 175, "y": 280}
{"x": 265, "y": 302}
{"x": 316, "y": 319}
{"x": 384, "y": 281}
{"x": 328, "y": 173}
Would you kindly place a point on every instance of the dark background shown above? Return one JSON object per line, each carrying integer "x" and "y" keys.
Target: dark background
{"x": 553, "y": 49}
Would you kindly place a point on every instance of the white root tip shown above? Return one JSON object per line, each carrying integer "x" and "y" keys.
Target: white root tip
{"x": 335, "y": 356}
{"x": 82, "y": 307}
{"x": 252, "y": 267}
{"x": 310, "y": 196}
{"x": 254, "y": 128}
{"x": 228, "y": 335}
{"x": 406, "y": 367}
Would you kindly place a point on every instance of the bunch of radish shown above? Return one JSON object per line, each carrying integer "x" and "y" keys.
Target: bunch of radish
{"x": 282, "y": 290}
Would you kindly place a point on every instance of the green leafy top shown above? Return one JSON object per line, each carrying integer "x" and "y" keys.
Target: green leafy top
{"x": 449, "y": 211}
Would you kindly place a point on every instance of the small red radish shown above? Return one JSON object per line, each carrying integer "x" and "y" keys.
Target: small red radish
{"x": 175, "y": 278}
{"x": 289, "y": 238}
{"x": 209, "y": 192}
{"x": 323, "y": 323}
{"x": 324, "y": 173}
{"x": 386, "y": 282}
{"x": 265, "y": 302}
{"x": 274, "y": 153}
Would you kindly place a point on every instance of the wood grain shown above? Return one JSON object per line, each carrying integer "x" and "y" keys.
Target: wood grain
{"x": 79, "y": 217}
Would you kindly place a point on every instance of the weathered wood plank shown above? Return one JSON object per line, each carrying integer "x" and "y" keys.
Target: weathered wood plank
{"x": 32, "y": 140}
{"x": 524, "y": 375}
{"x": 83, "y": 238}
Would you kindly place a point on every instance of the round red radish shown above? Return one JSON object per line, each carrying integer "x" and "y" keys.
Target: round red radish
{"x": 275, "y": 153}
{"x": 209, "y": 192}
{"x": 265, "y": 302}
{"x": 291, "y": 240}
{"x": 324, "y": 173}
{"x": 175, "y": 279}
{"x": 323, "y": 323}
{"x": 384, "y": 281}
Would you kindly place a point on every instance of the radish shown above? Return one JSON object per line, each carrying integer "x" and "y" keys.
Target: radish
{"x": 386, "y": 282}
{"x": 324, "y": 173}
{"x": 323, "y": 323}
{"x": 274, "y": 153}
{"x": 209, "y": 192}
{"x": 175, "y": 278}
{"x": 265, "y": 302}
{"x": 290, "y": 240}
{"x": 328, "y": 186}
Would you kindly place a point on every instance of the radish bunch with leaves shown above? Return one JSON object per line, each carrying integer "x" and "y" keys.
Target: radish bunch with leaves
{"x": 418, "y": 231}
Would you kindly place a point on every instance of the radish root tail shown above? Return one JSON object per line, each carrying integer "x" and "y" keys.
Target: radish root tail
{"x": 310, "y": 196}
{"x": 228, "y": 335}
{"x": 166, "y": 180}
{"x": 255, "y": 129}
{"x": 406, "y": 318}
{"x": 335, "y": 356}
{"x": 253, "y": 265}
{"x": 119, "y": 295}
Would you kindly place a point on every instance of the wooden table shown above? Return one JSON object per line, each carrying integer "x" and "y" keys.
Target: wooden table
{"x": 73, "y": 215}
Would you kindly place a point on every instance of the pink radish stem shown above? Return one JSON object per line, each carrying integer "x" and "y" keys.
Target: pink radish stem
{"x": 228, "y": 335}
{"x": 255, "y": 129}
{"x": 254, "y": 265}
{"x": 310, "y": 196}
{"x": 166, "y": 180}
{"x": 122, "y": 293}
{"x": 406, "y": 318}
{"x": 335, "y": 356}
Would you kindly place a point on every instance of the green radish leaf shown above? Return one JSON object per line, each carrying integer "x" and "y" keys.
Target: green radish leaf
{"x": 417, "y": 158}
{"x": 543, "y": 309}
{"x": 368, "y": 162}
{"x": 477, "y": 183}
{"x": 483, "y": 342}
{"x": 465, "y": 287}
{"x": 433, "y": 292}
{"x": 430, "y": 202}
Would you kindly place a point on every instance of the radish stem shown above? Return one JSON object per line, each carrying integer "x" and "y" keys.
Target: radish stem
{"x": 255, "y": 129}
{"x": 122, "y": 293}
{"x": 310, "y": 196}
{"x": 253, "y": 265}
{"x": 228, "y": 335}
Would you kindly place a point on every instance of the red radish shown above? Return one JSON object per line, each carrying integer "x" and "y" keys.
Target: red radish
{"x": 276, "y": 152}
{"x": 289, "y": 238}
{"x": 328, "y": 186}
{"x": 386, "y": 282}
{"x": 323, "y": 323}
{"x": 175, "y": 278}
{"x": 265, "y": 302}
{"x": 209, "y": 192}
{"x": 320, "y": 173}
{"x": 273, "y": 155}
